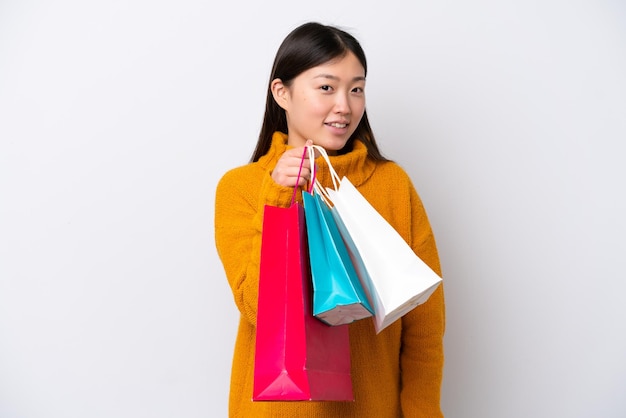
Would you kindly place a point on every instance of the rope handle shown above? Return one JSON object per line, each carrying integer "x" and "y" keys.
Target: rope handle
{"x": 295, "y": 188}
{"x": 315, "y": 184}
{"x": 313, "y": 175}
{"x": 313, "y": 172}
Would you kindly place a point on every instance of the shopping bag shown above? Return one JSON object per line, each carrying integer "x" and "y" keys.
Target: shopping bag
{"x": 338, "y": 295}
{"x": 395, "y": 279}
{"x": 297, "y": 357}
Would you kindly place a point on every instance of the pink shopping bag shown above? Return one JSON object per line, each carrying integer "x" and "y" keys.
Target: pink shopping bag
{"x": 298, "y": 357}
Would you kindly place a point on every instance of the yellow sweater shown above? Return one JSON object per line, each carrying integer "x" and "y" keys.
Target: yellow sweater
{"x": 396, "y": 373}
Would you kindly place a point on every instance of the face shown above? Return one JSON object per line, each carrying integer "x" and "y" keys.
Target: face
{"x": 325, "y": 103}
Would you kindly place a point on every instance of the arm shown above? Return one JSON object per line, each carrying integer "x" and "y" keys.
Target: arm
{"x": 241, "y": 196}
{"x": 240, "y": 200}
{"x": 422, "y": 356}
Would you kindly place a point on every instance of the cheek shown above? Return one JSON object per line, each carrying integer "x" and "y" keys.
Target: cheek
{"x": 315, "y": 106}
{"x": 358, "y": 107}
{"x": 312, "y": 104}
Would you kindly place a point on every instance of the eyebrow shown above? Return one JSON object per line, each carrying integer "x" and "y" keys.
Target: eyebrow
{"x": 332, "y": 77}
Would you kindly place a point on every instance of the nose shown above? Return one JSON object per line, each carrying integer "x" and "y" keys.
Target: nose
{"x": 342, "y": 104}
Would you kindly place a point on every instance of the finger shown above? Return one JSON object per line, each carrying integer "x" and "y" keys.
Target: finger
{"x": 290, "y": 175}
{"x": 295, "y": 155}
{"x": 302, "y": 181}
{"x": 305, "y": 174}
{"x": 298, "y": 162}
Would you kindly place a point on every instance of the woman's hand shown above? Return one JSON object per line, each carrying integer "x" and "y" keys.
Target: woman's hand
{"x": 286, "y": 171}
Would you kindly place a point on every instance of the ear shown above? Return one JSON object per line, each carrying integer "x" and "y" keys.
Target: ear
{"x": 280, "y": 92}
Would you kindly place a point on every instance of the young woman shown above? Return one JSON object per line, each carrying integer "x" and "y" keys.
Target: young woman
{"x": 316, "y": 92}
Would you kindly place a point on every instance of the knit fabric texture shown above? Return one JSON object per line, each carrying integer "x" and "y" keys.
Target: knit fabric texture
{"x": 396, "y": 373}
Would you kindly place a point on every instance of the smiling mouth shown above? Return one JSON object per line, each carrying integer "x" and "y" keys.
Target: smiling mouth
{"x": 338, "y": 125}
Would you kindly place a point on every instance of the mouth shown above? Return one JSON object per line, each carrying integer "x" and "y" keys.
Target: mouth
{"x": 337, "y": 125}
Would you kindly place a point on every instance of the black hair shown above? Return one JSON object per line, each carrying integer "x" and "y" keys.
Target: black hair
{"x": 308, "y": 46}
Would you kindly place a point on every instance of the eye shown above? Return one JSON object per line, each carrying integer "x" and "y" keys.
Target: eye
{"x": 358, "y": 90}
{"x": 326, "y": 87}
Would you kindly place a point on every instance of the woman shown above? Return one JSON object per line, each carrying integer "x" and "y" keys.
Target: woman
{"x": 316, "y": 92}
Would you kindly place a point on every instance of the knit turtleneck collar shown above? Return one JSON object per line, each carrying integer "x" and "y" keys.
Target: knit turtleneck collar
{"x": 355, "y": 165}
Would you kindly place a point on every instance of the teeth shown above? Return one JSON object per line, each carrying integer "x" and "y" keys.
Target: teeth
{"x": 338, "y": 125}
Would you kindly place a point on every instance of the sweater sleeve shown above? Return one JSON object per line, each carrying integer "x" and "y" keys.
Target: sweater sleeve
{"x": 422, "y": 356}
{"x": 241, "y": 196}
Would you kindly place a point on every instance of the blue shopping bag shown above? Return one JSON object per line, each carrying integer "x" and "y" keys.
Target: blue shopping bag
{"x": 338, "y": 295}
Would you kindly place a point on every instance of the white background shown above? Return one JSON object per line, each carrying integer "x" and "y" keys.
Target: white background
{"x": 117, "y": 119}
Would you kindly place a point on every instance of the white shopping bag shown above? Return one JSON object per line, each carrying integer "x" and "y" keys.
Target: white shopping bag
{"x": 395, "y": 279}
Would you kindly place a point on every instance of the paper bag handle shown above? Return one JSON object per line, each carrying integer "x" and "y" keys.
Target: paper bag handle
{"x": 315, "y": 184}
{"x": 313, "y": 179}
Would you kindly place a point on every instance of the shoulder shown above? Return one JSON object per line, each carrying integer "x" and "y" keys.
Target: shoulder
{"x": 392, "y": 172}
{"x": 388, "y": 182}
{"x": 239, "y": 185}
{"x": 392, "y": 168}
{"x": 392, "y": 182}
{"x": 240, "y": 176}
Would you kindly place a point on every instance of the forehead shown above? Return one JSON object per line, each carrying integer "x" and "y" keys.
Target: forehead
{"x": 343, "y": 67}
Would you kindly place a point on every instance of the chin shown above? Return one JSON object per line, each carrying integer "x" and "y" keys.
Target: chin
{"x": 333, "y": 145}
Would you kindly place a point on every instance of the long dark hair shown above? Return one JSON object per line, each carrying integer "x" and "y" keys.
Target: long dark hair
{"x": 308, "y": 46}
